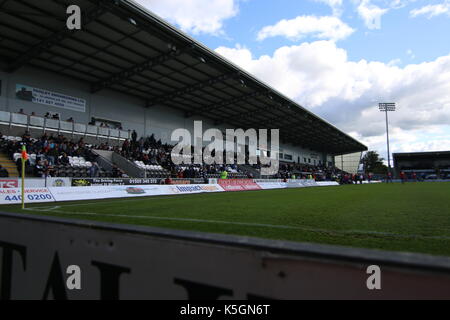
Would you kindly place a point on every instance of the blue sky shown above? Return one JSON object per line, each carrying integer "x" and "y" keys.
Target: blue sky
{"x": 398, "y": 33}
{"x": 339, "y": 58}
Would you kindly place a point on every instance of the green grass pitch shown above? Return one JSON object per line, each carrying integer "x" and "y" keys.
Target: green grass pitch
{"x": 414, "y": 217}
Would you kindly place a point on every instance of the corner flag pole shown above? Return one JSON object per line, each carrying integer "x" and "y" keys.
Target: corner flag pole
{"x": 24, "y": 159}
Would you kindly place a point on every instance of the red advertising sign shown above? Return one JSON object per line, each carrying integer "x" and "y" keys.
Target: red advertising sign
{"x": 239, "y": 185}
{"x": 9, "y": 183}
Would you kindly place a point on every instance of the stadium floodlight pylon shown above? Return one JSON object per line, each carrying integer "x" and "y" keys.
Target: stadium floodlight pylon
{"x": 388, "y": 107}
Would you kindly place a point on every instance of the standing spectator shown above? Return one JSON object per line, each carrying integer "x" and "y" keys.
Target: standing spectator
{"x": 116, "y": 172}
{"x": 3, "y": 172}
{"x": 134, "y": 137}
{"x": 93, "y": 171}
{"x": 53, "y": 154}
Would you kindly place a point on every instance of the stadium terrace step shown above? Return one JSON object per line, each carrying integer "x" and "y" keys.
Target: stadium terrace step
{"x": 9, "y": 165}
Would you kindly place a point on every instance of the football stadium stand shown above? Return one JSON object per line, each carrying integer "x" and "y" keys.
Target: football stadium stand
{"x": 423, "y": 165}
{"x": 128, "y": 74}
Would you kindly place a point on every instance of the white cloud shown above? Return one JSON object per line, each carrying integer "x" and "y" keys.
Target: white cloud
{"x": 398, "y": 4}
{"x": 371, "y": 14}
{"x": 336, "y": 5}
{"x": 196, "y": 16}
{"x": 327, "y": 27}
{"x": 432, "y": 10}
{"x": 320, "y": 76}
{"x": 410, "y": 54}
{"x": 331, "y": 3}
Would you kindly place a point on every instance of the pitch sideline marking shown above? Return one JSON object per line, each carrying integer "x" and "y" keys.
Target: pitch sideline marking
{"x": 163, "y": 197}
{"x": 53, "y": 209}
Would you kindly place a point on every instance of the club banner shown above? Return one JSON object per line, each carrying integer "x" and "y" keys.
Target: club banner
{"x": 58, "y": 182}
{"x": 239, "y": 184}
{"x": 50, "y": 98}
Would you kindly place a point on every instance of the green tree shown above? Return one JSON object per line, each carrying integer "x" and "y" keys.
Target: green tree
{"x": 373, "y": 163}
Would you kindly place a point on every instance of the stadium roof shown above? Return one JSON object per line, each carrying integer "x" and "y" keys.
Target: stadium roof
{"x": 126, "y": 48}
{"x": 422, "y": 154}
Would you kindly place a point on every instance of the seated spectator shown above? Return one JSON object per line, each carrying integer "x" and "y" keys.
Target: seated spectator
{"x": 21, "y": 111}
{"x": 63, "y": 159}
{"x": 33, "y": 114}
{"x": 47, "y": 115}
{"x": 70, "y": 120}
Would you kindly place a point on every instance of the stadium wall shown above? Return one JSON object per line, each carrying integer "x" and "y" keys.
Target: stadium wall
{"x": 111, "y": 105}
{"x": 130, "y": 262}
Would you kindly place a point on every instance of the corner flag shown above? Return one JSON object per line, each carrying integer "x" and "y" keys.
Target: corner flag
{"x": 24, "y": 159}
{"x": 24, "y": 153}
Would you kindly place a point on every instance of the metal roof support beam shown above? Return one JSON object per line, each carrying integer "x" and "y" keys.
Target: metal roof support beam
{"x": 251, "y": 113}
{"x": 56, "y": 38}
{"x": 189, "y": 89}
{"x": 225, "y": 103}
{"x": 124, "y": 75}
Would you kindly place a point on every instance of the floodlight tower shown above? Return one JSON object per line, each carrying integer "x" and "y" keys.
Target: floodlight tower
{"x": 387, "y": 107}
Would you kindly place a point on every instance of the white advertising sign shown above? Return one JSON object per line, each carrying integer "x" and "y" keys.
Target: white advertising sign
{"x": 327, "y": 183}
{"x": 50, "y": 98}
{"x": 32, "y": 195}
{"x": 272, "y": 185}
{"x": 108, "y": 192}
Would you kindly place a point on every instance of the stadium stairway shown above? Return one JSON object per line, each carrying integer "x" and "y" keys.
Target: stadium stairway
{"x": 9, "y": 165}
{"x": 255, "y": 172}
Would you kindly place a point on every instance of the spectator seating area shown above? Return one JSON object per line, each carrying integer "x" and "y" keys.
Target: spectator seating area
{"x": 58, "y": 157}
{"x": 53, "y": 156}
{"x": 303, "y": 171}
{"x": 153, "y": 171}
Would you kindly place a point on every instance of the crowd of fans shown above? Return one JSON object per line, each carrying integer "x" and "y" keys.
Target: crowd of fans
{"x": 50, "y": 153}
{"x": 153, "y": 152}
